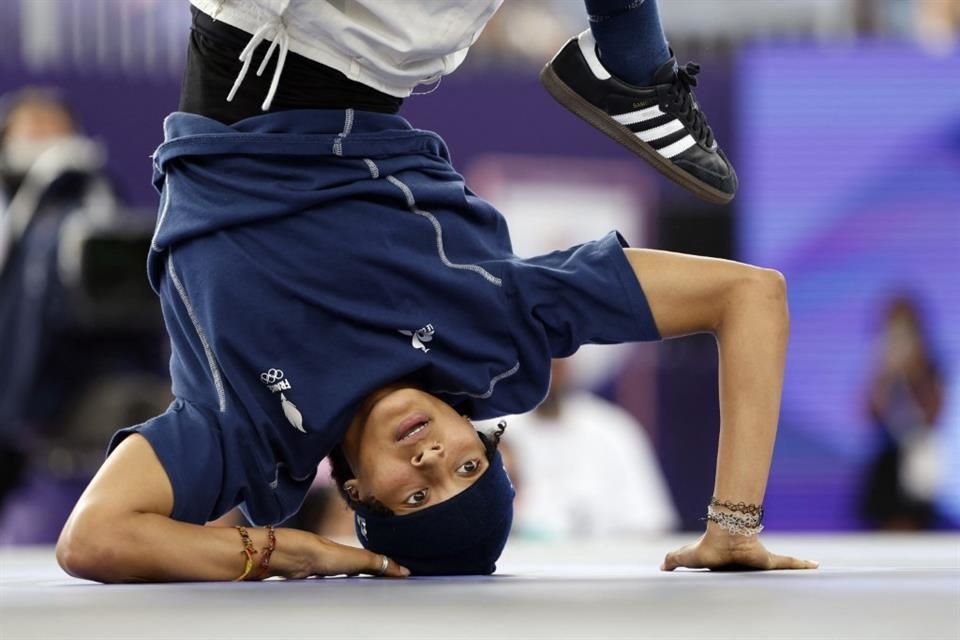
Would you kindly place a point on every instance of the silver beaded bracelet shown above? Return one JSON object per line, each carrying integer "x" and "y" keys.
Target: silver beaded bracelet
{"x": 735, "y": 524}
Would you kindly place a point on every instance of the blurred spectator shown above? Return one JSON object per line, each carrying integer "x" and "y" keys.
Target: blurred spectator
{"x": 937, "y": 24}
{"x": 584, "y": 467}
{"x": 80, "y": 347}
{"x": 31, "y": 122}
{"x": 905, "y": 401}
{"x": 934, "y": 24}
{"x": 527, "y": 34}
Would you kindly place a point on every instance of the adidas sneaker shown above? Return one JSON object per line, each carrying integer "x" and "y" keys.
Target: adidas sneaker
{"x": 661, "y": 123}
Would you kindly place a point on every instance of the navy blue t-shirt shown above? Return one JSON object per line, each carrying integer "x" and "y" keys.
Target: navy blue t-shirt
{"x": 305, "y": 259}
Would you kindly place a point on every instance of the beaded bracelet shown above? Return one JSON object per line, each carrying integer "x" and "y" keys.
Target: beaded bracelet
{"x": 741, "y": 507}
{"x": 248, "y": 552}
{"x": 267, "y": 551}
{"x": 737, "y": 525}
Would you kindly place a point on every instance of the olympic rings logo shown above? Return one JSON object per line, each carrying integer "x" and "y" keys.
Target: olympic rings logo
{"x": 272, "y": 376}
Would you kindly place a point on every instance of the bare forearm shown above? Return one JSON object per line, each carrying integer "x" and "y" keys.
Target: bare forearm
{"x": 153, "y": 548}
{"x": 752, "y": 339}
{"x": 121, "y": 531}
{"x": 148, "y": 547}
{"x": 745, "y": 308}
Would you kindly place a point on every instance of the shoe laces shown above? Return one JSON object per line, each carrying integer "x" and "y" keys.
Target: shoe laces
{"x": 680, "y": 95}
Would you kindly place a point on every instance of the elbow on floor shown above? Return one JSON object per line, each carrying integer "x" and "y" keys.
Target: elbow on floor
{"x": 84, "y": 550}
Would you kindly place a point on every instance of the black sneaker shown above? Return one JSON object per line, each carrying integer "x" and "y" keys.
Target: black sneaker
{"x": 661, "y": 123}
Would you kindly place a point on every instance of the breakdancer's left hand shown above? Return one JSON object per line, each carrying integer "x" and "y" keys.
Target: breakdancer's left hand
{"x": 722, "y": 551}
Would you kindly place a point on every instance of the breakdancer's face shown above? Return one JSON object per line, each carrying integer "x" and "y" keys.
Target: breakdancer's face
{"x": 410, "y": 450}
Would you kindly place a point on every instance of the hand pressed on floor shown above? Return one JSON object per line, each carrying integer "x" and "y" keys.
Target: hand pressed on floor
{"x": 721, "y": 551}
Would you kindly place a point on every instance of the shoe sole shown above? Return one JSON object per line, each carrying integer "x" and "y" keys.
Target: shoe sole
{"x": 598, "y": 118}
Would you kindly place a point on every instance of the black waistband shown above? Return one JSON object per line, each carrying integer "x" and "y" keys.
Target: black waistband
{"x": 213, "y": 64}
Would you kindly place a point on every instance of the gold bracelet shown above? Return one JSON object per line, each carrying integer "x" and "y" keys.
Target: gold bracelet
{"x": 248, "y": 552}
{"x": 267, "y": 552}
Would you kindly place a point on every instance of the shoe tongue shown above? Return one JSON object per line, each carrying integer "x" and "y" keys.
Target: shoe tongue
{"x": 666, "y": 72}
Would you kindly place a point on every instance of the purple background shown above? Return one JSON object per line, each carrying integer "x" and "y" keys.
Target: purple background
{"x": 850, "y": 168}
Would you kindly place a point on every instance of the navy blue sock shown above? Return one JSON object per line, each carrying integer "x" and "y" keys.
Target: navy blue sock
{"x": 629, "y": 37}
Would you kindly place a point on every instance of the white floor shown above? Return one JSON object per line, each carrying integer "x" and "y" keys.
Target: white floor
{"x": 870, "y": 587}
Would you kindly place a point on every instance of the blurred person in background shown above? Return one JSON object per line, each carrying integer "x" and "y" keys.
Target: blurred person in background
{"x": 34, "y": 197}
{"x": 937, "y": 24}
{"x": 46, "y": 167}
{"x": 933, "y": 24}
{"x": 572, "y": 453}
{"x": 904, "y": 403}
{"x": 73, "y": 313}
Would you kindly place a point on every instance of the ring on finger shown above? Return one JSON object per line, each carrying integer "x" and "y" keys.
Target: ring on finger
{"x": 384, "y": 563}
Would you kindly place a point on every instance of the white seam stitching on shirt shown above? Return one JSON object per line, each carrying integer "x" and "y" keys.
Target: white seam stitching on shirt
{"x": 374, "y": 169}
{"x": 411, "y": 203}
{"x": 347, "y": 123}
{"x": 347, "y": 128}
{"x": 163, "y": 214}
{"x": 211, "y": 360}
{"x": 493, "y": 383}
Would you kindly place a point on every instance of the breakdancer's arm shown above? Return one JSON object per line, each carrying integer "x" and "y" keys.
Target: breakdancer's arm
{"x": 746, "y": 309}
{"x": 121, "y": 531}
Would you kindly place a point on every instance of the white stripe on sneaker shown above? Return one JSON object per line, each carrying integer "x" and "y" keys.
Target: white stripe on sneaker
{"x": 588, "y": 47}
{"x": 660, "y": 132}
{"x": 634, "y": 117}
{"x": 679, "y": 146}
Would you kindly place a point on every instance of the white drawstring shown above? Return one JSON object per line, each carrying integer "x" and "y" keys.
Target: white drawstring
{"x": 278, "y": 32}
{"x": 284, "y": 41}
{"x": 247, "y": 55}
{"x": 436, "y": 80}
